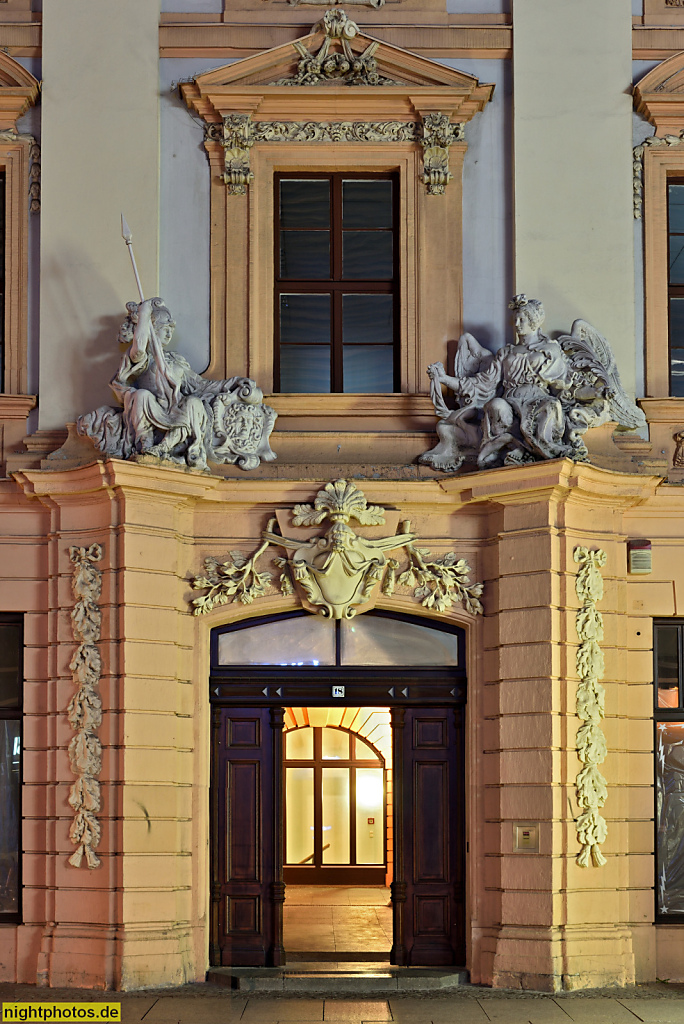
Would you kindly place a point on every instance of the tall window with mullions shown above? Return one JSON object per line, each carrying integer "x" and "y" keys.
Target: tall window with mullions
{"x": 336, "y": 283}
{"x": 11, "y": 695}
{"x": 675, "y": 220}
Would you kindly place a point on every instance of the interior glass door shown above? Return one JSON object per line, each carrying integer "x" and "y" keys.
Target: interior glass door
{"x": 335, "y": 808}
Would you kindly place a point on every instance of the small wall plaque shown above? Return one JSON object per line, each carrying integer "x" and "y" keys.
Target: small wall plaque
{"x": 338, "y": 691}
{"x": 639, "y": 557}
{"x": 525, "y": 838}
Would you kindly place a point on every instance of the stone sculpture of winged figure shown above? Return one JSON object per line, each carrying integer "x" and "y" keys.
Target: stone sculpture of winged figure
{"x": 532, "y": 400}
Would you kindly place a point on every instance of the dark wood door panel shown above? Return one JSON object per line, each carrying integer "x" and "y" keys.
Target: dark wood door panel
{"x": 247, "y": 882}
{"x": 430, "y": 799}
{"x": 428, "y": 892}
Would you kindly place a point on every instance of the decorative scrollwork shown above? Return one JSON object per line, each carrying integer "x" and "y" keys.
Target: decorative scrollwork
{"x": 339, "y": 65}
{"x": 438, "y": 135}
{"x": 592, "y": 789}
{"x": 336, "y": 131}
{"x": 237, "y": 142}
{"x": 85, "y": 707}
{"x": 339, "y": 570}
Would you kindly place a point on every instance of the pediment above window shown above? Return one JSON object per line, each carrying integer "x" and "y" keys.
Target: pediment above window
{"x": 659, "y": 96}
{"x": 18, "y": 91}
{"x": 334, "y": 70}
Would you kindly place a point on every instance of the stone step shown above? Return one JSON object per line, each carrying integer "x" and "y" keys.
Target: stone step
{"x": 339, "y": 979}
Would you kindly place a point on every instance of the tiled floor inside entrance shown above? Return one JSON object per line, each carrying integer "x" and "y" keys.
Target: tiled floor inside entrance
{"x": 337, "y": 919}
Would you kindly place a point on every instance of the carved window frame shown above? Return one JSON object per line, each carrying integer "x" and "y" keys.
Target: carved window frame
{"x": 431, "y": 305}
{"x": 660, "y": 167}
{"x": 15, "y": 161}
{"x": 408, "y": 118}
{"x": 659, "y": 99}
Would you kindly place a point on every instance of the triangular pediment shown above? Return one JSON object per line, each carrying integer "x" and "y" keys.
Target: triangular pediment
{"x": 337, "y": 60}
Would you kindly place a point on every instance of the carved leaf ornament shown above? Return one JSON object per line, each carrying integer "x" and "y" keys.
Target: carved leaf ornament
{"x": 336, "y": 63}
{"x": 591, "y": 786}
{"x": 85, "y": 707}
{"x": 338, "y": 570}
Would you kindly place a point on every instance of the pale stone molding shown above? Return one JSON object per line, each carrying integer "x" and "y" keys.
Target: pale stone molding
{"x": 530, "y": 401}
{"x": 339, "y": 570}
{"x": 85, "y": 707}
{"x": 592, "y": 789}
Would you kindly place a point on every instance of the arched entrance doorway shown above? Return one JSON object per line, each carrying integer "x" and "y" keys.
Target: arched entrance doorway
{"x": 264, "y": 669}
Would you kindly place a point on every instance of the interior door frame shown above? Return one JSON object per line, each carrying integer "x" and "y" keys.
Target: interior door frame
{"x": 277, "y": 687}
{"x": 336, "y": 874}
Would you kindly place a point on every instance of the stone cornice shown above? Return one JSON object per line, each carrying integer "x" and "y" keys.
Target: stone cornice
{"x": 558, "y": 479}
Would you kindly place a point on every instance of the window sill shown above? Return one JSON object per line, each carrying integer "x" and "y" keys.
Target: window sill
{"x": 353, "y": 413}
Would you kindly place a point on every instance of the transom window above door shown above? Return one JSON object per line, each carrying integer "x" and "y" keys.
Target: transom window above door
{"x": 336, "y": 283}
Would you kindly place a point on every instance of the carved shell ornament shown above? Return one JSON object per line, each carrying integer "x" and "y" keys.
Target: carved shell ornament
{"x": 337, "y": 571}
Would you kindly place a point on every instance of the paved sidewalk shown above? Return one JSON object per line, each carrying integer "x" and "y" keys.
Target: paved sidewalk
{"x": 209, "y": 1004}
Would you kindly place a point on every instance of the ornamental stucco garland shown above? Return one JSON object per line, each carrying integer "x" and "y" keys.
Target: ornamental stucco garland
{"x": 591, "y": 743}
{"x": 85, "y": 707}
{"x": 339, "y": 570}
{"x": 638, "y": 165}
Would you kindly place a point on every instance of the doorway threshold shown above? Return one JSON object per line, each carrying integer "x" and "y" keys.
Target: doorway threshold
{"x": 339, "y": 978}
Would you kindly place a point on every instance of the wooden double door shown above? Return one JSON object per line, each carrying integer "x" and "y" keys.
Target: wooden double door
{"x": 428, "y": 890}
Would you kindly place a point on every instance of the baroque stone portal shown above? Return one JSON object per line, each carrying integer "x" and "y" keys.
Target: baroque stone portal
{"x": 339, "y": 570}
{"x": 529, "y": 401}
{"x": 169, "y": 411}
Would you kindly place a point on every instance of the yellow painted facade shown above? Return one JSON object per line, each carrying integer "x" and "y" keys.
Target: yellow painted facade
{"x": 142, "y": 918}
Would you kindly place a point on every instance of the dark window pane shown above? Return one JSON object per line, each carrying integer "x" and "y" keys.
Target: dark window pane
{"x": 367, "y": 319}
{"x": 305, "y": 368}
{"x": 368, "y": 368}
{"x": 677, "y": 372}
{"x": 10, "y": 750}
{"x": 305, "y": 255}
{"x": 304, "y": 203}
{"x": 368, "y": 255}
{"x": 675, "y": 206}
{"x": 366, "y": 204}
{"x": 677, "y": 347}
{"x": 305, "y": 318}
{"x": 10, "y": 664}
{"x": 676, "y": 259}
{"x": 670, "y": 818}
{"x": 667, "y": 666}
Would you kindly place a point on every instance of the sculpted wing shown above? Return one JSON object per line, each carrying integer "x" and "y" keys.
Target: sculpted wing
{"x": 592, "y": 356}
